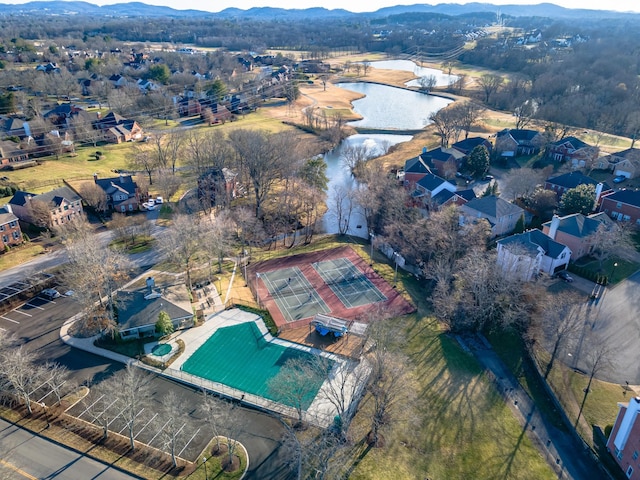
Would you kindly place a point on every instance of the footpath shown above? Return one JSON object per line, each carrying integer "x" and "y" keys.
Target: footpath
{"x": 569, "y": 458}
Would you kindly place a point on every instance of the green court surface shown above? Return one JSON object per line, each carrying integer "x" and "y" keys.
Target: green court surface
{"x": 240, "y": 357}
{"x": 295, "y": 296}
{"x": 349, "y": 283}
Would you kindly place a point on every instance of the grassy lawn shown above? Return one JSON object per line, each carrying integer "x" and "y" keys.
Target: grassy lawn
{"x": 19, "y": 255}
{"x": 614, "y": 268}
{"x": 140, "y": 244}
{"x": 461, "y": 428}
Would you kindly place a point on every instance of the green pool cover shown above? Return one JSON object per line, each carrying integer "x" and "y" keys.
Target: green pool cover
{"x": 238, "y": 356}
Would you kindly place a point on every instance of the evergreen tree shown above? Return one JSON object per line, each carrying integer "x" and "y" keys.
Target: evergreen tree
{"x": 578, "y": 200}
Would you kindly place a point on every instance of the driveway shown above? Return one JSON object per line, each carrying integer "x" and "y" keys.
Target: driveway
{"x": 615, "y": 320}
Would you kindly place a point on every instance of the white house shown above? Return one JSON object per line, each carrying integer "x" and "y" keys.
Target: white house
{"x": 526, "y": 254}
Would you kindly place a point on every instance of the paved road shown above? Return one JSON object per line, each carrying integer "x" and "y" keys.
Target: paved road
{"x": 561, "y": 450}
{"x": 28, "y": 456}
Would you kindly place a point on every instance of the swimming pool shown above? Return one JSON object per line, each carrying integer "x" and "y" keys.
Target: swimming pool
{"x": 240, "y": 357}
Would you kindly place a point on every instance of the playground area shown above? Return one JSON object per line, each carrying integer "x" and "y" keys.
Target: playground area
{"x": 335, "y": 282}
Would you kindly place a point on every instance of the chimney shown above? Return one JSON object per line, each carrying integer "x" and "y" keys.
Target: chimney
{"x": 121, "y": 178}
{"x": 598, "y": 192}
{"x": 553, "y": 228}
{"x": 95, "y": 178}
{"x": 8, "y": 208}
{"x": 424, "y": 150}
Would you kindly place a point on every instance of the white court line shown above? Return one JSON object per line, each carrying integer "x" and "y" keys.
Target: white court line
{"x": 8, "y": 319}
{"x": 34, "y": 306}
{"x": 22, "y": 313}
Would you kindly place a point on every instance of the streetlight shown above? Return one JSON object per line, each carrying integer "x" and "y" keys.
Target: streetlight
{"x": 372, "y": 236}
{"x": 204, "y": 462}
{"x": 46, "y": 414}
{"x": 395, "y": 275}
{"x": 613, "y": 269}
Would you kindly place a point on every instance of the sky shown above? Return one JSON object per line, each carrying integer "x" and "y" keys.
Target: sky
{"x": 360, "y": 5}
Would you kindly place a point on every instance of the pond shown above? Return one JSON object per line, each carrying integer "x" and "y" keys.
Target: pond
{"x": 442, "y": 79}
{"x": 392, "y": 108}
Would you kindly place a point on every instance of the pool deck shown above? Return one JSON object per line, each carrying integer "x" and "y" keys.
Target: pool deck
{"x": 320, "y": 412}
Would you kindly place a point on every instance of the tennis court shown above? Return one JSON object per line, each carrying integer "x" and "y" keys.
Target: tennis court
{"x": 348, "y": 283}
{"x": 240, "y": 357}
{"x": 295, "y": 296}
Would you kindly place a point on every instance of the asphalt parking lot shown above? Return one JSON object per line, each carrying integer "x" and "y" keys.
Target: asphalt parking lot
{"x": 36, "y": 324}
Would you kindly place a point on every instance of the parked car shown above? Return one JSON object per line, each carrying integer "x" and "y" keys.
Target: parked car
{"x": 487, "y": 177}
{"x": 159, "y": 200}
{"x": 149, "y": 206}
{"x": 564, "y": 275}
{"x": 619, "y": 179}
{"x": 50, "y": 293}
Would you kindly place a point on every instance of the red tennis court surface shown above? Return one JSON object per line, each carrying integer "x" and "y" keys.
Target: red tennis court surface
{"x": 320, "y": 293}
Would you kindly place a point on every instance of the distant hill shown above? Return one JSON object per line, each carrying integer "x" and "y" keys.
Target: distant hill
{"x": 138, "y": 9}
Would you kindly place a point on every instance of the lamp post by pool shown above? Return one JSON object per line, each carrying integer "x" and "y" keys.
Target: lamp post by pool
{"x": 204, "y": 461}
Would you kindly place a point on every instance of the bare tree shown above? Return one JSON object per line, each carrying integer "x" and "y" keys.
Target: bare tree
{"x": 295, "y": 384}
{"x": 265, "y": 158}
{"x": 469, "y": 114}
{"x": 217, "y": 238}
{"x": 183, "y": 243}
{"x": 558, "y": 324}
{"x": 447, "y": 123}
{"x": 366, "y": 65}
{"x": 167, "y": 149}
{"x": 144, "y": 158}
{"x": 355, "y": 156}
{"x": 344, "y": 203}
{"x": 521, "y": 182}
{"x": 94, "y": 196}
{"x": 167, "y": 183}
{"x": 174, "y": 420}
{"x": 609, "y": 240}
{"x": 39, "y": 213}
{"x": 524, "y": 114}
{"x": 427, "y": 82}
{"x": 599, "y": 359}
{"x": 20, "y": 375}
{"x": 131, "y": 391}
{"x": 489, "y": 84}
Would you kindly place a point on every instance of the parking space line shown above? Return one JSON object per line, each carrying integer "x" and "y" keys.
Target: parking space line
{"x": 34, "y": 306}
{"x": 22, "y": 313}
{"x": 8, "y": 319}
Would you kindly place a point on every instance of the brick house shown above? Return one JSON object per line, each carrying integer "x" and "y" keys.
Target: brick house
{"x": 571, "y": 149}
{"x": 414, "y": 170}
{"x": 517, "y": 142}
{"x": 10, "y": 231}
{"x": 117, "y": 129}
{"x": 217, "y": 186}
{"x": 624, "y": 440}
{"x": 123, "y": 193}
{"x": 444, "y": 162}
{"x": 567, "y": 181}
{"x": 623, "y": 205}
{"x": 64, "y": 206}
{"x": 468, "y": 144}
{"x": 626, "y": 162}
{"x": 575, "y": 231}
{"x": 11, "y": 153}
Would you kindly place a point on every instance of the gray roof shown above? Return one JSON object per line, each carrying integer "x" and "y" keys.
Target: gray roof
{"x": 123, "y": 183}
{"x": 6, "y": 216}
{"x": 58, "y": 195}
{"x": 572, "y": 180}
{"x": 495, "y": 207}
{"x": 416, "y": 165}
{"x": 574, "y": 142}
{"x": 134, "y": 311}
{"x": 534, "y": 239}
{"x": 580, "y": 226}
{"x": 430, "y": 182}
{"x": 630, "y": 197}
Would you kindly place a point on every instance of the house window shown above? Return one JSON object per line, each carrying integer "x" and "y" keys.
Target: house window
{"x": 5, "y": 239}
{"x": 635, "y": 455}
{"x": 16, "y": 236}
{"x": 629, "y": 471}
{"x": 619, "y": 204}
{"x": 626, "y": 218}
{"x": 1, "y": 228}
{"x": 564, "y": 254}
{"x": 618, "y": 454}
{"x": 13, "y": 224}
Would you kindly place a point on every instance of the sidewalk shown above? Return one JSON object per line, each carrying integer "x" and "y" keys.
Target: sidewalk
{"x": 568, "y": 458}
